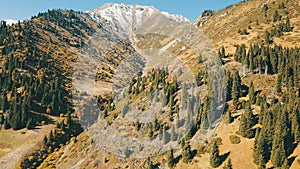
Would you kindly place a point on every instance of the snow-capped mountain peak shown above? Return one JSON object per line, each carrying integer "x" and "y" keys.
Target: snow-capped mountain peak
{"x": 125, "y": 17}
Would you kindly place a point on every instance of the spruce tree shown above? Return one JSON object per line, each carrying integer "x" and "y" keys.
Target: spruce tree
{"x": 247, "y": 122}
{"x": 186, "y": 152}
{"x": 281, "y": 140}
{"x": 45, "y": 140}
{"x": 260, "y": 149}
{"x": 29, "y": 124}
{"x": 2, "y": 119}
{"x": 170, "y": 158}
{"x": 229, "y": 117}
{"x": 285, "y": 164}
{"x": 251, "y": 93}
{"x": 6, "y": 124}
{"x": 215, "y": 160}
{"x": 236, "y": 87}
{"x": 296, "y": 125}
{"x": 268, "y": 37}
{"x": 278, "y": 84}
{"x": 276, "y": 16}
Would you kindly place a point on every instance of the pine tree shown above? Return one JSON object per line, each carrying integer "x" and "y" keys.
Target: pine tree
{"x": 285, "y": 164}
{"x": 260, "y": 151}
{"x": 229, "y": 118}
{"x": 150, "y": 130}
{"x": 296, "y": 125}
{"x": 186, "y": 152}
{"x": 137, "y": 125}
{"x": 6, "y": 124}
{"x": 247, "y": 122}
{"x": 170, "y": 158}
{"x": 268, "y": 37}
{"x": 215, "y": 160}
{"x": 228, "y": 85}
{"x": 251, "y": 93}
{"x": 278, "y": 84}
{"x": 2, "y": 119}
{"x": 288, "y": 27}
{"x": 29, "y": 124}
{"x": 236, "y": 87}
{"x": 278, "y": 156}
{"x": 276, "y": 16}
{"x": 265, "y": 7}
{"x": 45, "y": 140}
{"x": 282, "y": 139}
{"x": 221, "y": 53}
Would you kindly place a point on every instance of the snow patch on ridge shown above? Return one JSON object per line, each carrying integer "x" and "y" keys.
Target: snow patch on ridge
{"x": 124, "y": 18}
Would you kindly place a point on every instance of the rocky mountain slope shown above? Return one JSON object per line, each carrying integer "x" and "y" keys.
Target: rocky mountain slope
{"x": 149, "y": 85}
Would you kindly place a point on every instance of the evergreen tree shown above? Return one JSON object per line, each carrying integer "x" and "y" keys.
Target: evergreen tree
{"x": 6, "y": 124}
{"x": 29, "y": 124}
{"x": 150, "y": 130}
{"x": 2, "y": 119}
{"x": 282, "y": 140}
{"x": 260, "y": 151}
{"x": 288, "y": 27}
{"x": 170, "y": 158}
{"x": 186, "y": 152}
{"x": 236, "y": 87}
{"x": 251, "y": 93}
{"x": 215, "y": 160}
{"x": 265, "y": 7}
{"x": 296, "y": 125}
{"x": 229, "y": 118}
{"x": 276, "y": 16}
{"x": 221, "y": 53}
{"x": 278, "y": 156}
{"x": 228, "y": 85}
{"x": 278, "y": 84}
{"x": 45, "y": 140}
{"x": 247, "y": 122}
{"x": 268, "y": 39}
{"x": 285, "y": 164}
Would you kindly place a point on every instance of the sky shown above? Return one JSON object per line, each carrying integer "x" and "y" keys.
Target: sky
{"x": 24, "y": 9}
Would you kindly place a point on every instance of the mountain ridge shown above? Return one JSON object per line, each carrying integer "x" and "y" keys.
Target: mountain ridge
{"x": 126, "y": 17}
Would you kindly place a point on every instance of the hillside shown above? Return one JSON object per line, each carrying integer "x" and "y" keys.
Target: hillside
{"x": 129, "y": 86}
{"x": 36, "y": 57}
{"x": 254, "y": 16}
{"x": 237, "y": 31}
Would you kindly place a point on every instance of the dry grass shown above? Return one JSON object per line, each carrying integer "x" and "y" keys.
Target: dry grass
{"x": 223, "y": 27}
{"x": 16, "y": 144}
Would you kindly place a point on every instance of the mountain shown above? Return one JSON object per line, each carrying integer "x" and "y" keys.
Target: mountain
{"x": 129, "y": 86}
{"x": 125, "y": 17}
